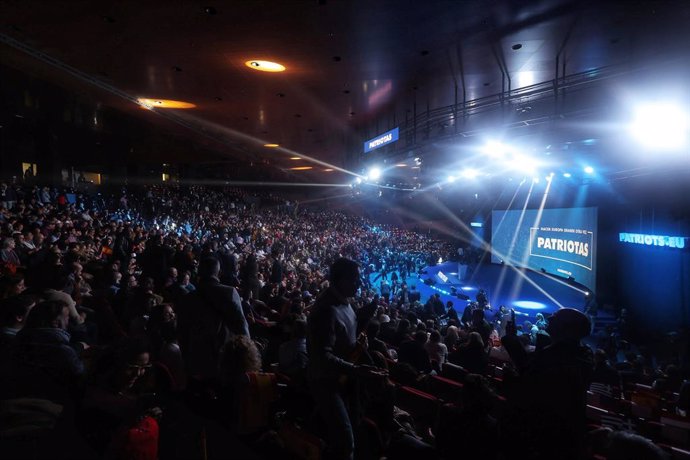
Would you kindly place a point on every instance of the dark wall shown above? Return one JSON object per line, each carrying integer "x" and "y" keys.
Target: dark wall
{"x": 653, "y": 282}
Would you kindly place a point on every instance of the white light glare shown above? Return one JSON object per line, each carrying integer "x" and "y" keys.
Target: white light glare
{"x": 567, "y": 175}
{"x": 358, "y": 180}
{"x": 524, "y": 164}
{"x": 589, "y": 170}
{"x": 497, "y": 149}
{"x": 662, "y": 126}
{"x": 470, "y": 173}
{"x": 451, "y": 179}
{"x": 374, "y": 174}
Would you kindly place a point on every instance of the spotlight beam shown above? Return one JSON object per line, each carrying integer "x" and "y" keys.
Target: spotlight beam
{"x": 488, "y": 248}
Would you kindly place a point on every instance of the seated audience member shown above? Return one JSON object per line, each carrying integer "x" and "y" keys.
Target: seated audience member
{"x": 376, "y": 344}
{"x": 414, "y": 353}
{"x": 293, "y": 357}
{"x": 481, "y": 326}
{"x": 11, "y": 285}
{"x": 452, "y": 338}
{"x": 42, "y": 362}
{"x": 603, "y": 371}
{"x": 119, "y": 415}
{"x": 670, "y": 380}
{"x": 437, "y": 351}
{"x": 161, "y": 329}
{"x": 624, "y": 445}
{"x": 13, "y": 316}
{"x": 402, "y": 333}
{"x": 471, "y": 355}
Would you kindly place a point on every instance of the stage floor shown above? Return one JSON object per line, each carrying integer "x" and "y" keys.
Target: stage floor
{"x": 526, "y": 291}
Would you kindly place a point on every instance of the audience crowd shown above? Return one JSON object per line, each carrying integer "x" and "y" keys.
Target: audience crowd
{"x": 124, "y": 319}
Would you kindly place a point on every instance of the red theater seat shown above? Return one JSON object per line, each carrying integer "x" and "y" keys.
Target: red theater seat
{"x": 422, "y": 406}
{"x": 454, "y": 372}
{"x": 445, "y": 389}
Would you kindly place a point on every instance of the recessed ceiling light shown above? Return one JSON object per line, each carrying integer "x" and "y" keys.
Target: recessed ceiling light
{"x": 164, "y": 104}
{"x": 295, "y": 158}
{"x": 301, "y": 168}
{"x": 271, "y": 146}
{"x": 265, "y": 66}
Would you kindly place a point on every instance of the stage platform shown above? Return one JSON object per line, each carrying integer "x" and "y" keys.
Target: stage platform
{"x": 526, "y": 291}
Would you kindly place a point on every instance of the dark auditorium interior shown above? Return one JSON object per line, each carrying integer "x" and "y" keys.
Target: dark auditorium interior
{"x": 338, "y": 229}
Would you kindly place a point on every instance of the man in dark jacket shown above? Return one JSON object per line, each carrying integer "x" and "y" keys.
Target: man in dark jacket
{"x": 42, "y": 363}
{"x": 208, "y": 318}
{"x": 332, "y": 349}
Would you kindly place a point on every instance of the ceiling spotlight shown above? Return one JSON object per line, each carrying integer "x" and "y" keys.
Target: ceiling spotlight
{"x": 588, "y": 170}
{"x": 662, "y": 126}
{"x": 164, "y": 104}
{"x": 301, "y": 168}
{"x": 567, "y": 175}
{"x": 265, "y": 66}
{"x": 496, "y": 149}
{"x": 271, "y": 146}
{"x": 374, "y": 173}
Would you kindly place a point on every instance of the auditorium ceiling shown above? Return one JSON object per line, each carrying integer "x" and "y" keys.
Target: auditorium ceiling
{"x": 352, "y": 68}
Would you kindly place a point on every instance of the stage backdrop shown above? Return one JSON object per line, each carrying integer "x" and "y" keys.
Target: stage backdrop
{"x": 558, "y": 241}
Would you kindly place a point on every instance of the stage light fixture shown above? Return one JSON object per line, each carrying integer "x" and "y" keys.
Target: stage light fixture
{"x": 567, "y": 175}
{"x": 661, "y": 126}
{"x": 496, "y": 149}
{"x": 374, "y": 174}
{"x": 588, "y": 170}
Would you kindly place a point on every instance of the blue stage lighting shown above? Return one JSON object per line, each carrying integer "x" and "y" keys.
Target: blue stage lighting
{"x": 589, "y": 170}
{"x": 529, "y": 305}
{"x": 567, "y": 175}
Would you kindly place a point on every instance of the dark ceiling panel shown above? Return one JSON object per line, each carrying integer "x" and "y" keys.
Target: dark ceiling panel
{"x": 352, "y": 66}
